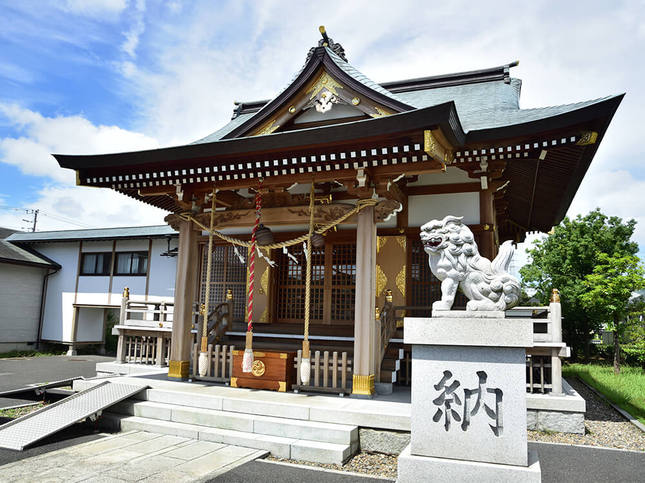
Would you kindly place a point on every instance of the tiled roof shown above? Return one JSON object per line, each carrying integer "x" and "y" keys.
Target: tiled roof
{"x": 93, "y": 234}
{"x": 10, "y": 253}
{"x": 362, "y": 78}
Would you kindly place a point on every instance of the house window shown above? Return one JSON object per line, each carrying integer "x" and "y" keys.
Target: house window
{"x": 227, "y": 272}
{"x": 131, "y": 263}
{"x": 96, "y": 263}
{"x": 333, "y": 280}
{"x": 424, "y": 288}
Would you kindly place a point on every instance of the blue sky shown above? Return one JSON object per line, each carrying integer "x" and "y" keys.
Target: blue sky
{"x": 117, "y": 75}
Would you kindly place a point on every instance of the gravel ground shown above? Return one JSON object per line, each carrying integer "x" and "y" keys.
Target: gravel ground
{"x": 370, "y": 464}
{"x": 604, "y": 426}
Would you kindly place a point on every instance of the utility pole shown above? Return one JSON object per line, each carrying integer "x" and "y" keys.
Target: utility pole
{"x": 34, "y": 221}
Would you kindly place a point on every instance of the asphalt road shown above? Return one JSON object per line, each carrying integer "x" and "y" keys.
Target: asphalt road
{"x": 18, "y": 372}
{"x": 559, "y": 463}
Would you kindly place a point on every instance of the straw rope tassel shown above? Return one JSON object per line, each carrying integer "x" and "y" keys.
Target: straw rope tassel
{"x": 305, "y": 364}
{"x": 203, "y": 354}
{"x": 247, "y": 360}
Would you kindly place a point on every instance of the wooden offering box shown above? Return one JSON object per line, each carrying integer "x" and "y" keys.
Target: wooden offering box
{"x": 271, "y": 370}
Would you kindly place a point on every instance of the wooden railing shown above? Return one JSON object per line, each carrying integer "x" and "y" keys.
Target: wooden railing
{"x": 145, "y": 348}
{"x": 329, "y": 374}
{"x": 220, "y": 363}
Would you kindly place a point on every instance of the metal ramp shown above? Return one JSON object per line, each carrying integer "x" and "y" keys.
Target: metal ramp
{"x": 22, "y": 432}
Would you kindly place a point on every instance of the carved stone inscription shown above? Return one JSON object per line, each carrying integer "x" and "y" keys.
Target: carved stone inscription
{"x": 473, "y": 400}
{"x": 469, "y": 403}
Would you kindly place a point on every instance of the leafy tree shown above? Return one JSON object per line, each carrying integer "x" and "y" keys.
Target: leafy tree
{"x": 563, "y": 260}
{"x": 609, "y": 290}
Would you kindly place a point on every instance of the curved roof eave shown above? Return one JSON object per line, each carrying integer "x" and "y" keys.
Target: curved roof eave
{"x": 442, "y": 115}
{"x": 601, "y": 110}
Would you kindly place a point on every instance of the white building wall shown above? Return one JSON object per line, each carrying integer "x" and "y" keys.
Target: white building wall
{"x": 57, "y": 321}
{"x": 424, "y": 208}
{"x": 20, "y": 295}
{"x": 94, "y": 290}
{"x": 161, "y": 285}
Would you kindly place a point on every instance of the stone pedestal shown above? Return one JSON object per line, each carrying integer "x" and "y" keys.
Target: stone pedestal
{"x": 468, "y": 413}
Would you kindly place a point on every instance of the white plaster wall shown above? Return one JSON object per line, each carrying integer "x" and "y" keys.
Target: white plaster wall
{"x": 57, "y": 322}
{"x": 97, "y": 246}
{"x": 92, "y": 289}
{"x": 90, "y": 325}
{"x": 20, "y": 294}
{"x": 450, "y": 176}
{"x": 424, "y": 208}
{"x": 162, "y": 271}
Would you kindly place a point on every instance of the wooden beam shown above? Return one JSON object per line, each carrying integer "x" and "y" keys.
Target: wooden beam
{"x": 440, "y": 189}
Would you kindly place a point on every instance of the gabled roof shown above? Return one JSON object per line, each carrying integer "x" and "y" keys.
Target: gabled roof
{"x": 93, "y": 234}
{"x": 10, "y": 253}
{"x": 319, "y": 58}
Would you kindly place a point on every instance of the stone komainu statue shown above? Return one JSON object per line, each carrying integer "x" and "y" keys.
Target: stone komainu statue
{"x": 455, "y": 260}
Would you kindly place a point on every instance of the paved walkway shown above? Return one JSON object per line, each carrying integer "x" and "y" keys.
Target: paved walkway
{"x": 18, "y": 372}
{"x": 132, "y": 456}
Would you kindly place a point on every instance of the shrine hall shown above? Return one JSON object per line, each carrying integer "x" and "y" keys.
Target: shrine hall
{"x": 299, "y": 220}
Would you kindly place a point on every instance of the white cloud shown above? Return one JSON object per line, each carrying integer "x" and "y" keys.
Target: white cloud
{"x": 74, "y": 207}
{"x": 129, "y": 45}
{"x": 41, "y": 136}
{"x": 616, "y": 193}
{"x": 63, "y": 205}
{"x": 93, "y": 8}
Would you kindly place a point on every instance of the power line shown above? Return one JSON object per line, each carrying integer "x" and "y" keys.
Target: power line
{"x": 66, "y": 220}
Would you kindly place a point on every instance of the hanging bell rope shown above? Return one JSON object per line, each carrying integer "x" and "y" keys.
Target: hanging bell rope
{"x": 203, "y": 355}
{"x": 247, "y": 360}
{"x": 305, "y": 364}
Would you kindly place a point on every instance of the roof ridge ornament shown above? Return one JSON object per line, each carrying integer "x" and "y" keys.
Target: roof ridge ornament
{"x": 327, "y": 41}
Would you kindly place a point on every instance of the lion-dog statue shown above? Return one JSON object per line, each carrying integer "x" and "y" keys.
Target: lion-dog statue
{"x": 455, "y": 260}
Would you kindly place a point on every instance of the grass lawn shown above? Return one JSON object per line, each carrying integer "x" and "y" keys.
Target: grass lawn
{"x": 14, "y": 354}
{"x": 626, "y": 390}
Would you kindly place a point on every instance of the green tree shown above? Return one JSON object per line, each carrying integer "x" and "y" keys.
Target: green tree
{"x": 563, "y": 260}
{"x": 609, "y": 290}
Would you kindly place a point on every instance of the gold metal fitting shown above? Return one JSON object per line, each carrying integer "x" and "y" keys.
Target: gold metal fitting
{"x": 202, "y": 310}
{"x": 555, "y": 295}
{"x": 321, "y": 29}
{"x": 229, "y": 294}
{"x": 388, "y": 295}
{"x": 377, "y": 313}
{"x": 126, "y": 293}
{"x": 356, "y": 101}
{"x": 292, "y": 109}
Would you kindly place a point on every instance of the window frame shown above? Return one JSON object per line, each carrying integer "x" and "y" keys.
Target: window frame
{"x": 82, "y": 273}
{"x": 141, "y": 253}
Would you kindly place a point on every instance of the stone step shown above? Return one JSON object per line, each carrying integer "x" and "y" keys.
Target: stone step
{"x": 250, "y": 423}
{"x": 347, "y": 411}
{"x": 278, "y": 446}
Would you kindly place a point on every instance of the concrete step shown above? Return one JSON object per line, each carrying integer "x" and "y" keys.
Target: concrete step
{"x": 250, "y": 423}
{"x": 278, "y": 446}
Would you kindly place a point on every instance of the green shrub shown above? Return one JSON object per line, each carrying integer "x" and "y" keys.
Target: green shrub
{"x": 631, "y": 354}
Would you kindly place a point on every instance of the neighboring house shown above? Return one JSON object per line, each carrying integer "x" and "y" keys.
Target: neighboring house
{"x": 22, "y": 280}
{"x": 92, "y": 267}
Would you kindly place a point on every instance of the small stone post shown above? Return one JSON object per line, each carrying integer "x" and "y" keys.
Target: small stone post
{"x": 555, "y": 310}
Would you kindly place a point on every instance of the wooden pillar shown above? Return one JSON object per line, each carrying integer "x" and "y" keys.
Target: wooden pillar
{"x": 185, "y": 282}
{"x": 364, "y": 326}
{"x": 487, "y": 246}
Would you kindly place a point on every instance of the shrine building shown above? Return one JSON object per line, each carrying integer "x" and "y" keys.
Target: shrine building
{"x": 383, "y": 159}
